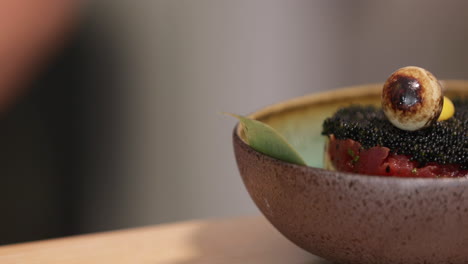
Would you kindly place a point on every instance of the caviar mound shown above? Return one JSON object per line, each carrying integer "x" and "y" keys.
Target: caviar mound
{"x": 444, "y": 143}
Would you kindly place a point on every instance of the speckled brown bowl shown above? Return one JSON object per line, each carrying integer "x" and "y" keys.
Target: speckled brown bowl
{"x": 352, "y": 218}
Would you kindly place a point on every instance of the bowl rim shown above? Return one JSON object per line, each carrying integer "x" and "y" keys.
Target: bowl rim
{"x": 372, "y": 89}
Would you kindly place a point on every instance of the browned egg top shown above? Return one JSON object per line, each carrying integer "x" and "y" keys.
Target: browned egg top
{"x": 406, "y": 94}
{"x": 412, "y": 98}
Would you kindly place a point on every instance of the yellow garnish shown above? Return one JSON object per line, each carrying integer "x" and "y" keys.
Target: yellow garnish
{"x": 447, "y": 111}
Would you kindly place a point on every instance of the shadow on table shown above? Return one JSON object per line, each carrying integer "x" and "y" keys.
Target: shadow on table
{"x": 252, "y": 241}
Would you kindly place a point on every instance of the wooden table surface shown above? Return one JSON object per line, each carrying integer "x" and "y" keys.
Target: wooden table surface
{"x": 246, "y": 240}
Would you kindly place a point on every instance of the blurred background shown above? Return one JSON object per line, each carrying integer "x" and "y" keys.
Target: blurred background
{"x": 109, "y": 109}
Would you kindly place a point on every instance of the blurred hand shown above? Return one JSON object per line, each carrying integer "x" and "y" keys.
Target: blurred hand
{"x": 29, "y": 31}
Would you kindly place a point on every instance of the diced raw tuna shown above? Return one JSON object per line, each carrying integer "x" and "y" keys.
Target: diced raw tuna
{"x": 347, "y": 155}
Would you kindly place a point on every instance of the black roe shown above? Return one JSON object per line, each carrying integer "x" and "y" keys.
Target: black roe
{"x": 445, "y": 142}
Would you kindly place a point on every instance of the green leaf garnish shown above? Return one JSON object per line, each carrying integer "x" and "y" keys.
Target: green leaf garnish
{"x": 265, "y": 139}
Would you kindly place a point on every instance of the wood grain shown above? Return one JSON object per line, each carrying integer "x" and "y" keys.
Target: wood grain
{"x": 247, "y": 240}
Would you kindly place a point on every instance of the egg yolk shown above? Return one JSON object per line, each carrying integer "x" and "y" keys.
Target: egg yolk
{"x": 447, "y": 111}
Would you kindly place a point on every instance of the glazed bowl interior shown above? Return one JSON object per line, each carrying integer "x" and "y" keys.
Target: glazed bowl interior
{"x": 346, "y": 217}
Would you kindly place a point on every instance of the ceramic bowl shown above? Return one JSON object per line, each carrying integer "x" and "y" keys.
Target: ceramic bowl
{"x": 346, "y": 217}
